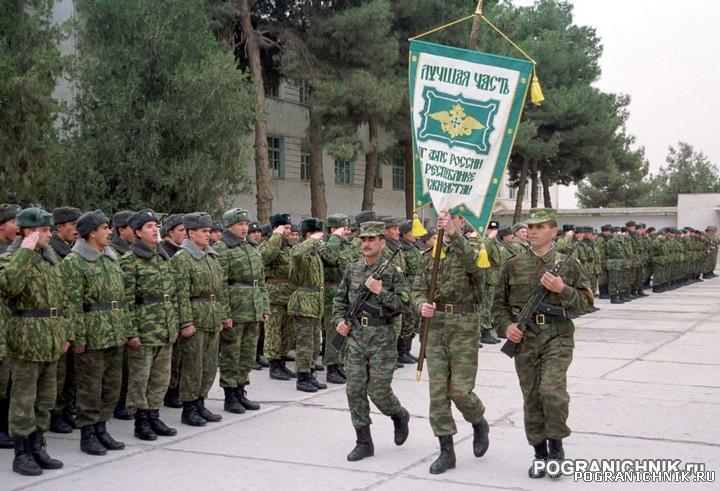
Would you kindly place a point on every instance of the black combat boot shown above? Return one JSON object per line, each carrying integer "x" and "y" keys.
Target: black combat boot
{"x": 232, "y": 405}
{"x": 481, "y": 438}
{"x": 541, "y": 453}
{"x": 242, "y": 399}
{"x": 104, "y": 437}
{"x": 172, "y": 398}
{"x": 89, "y": 442}
{"x": 143, "y": 430}
{"x": 401, "y": 422}
{"x": 190, "y": 415}
{"x": 39, "y": 452}
{"x": 446, "y": 459}
{"x": 58, "y": 424}
{"x": 304, "y": 384}
{"x": 121, "y": 412}
{"x": 408, "y": 349}
{"x": 208, "y": 416}
{"x": 287, "y": 371}
{"x": 486, "y": 337}
{"x": 319, "y": 367}
{"x": 260, "y": 360}
{"x": 157, "y": 425}
{"x": 403, "y": 353}
{"x": 24, "y": 463}
{"x": 640, "y": 293}
{"x": 341, "y": 371}
{"x": 625, "y": 295}
{"x": 333, "y": 375}
{"x": 616, "y": 299}
{"x": 604, "y": 292}
{"x": 363, "y": 445}
{"x": 555, "y": 452}
{"x": 277, "y": 372}
{"x": 315, "y": 381}
{"x": 5, "y": 440}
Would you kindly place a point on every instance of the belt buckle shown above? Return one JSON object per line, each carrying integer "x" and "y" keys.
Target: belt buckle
{"x": 53, "y": 313}
{"x": 540, "y": 319}
{"x": 364, "y": 321}
{"x": 213, "y": 298}
{"x": 449, "y": 308}
{"x": 256, "y": 282}
{"x": 114, "y": 305}
{"x": 166, "y": 298}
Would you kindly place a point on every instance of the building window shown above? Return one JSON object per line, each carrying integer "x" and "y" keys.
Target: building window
{"x": 398, "y": 176}
{"x": 512, "y": 192}
{"x": 303, "y": 92}
{"x": 344, "y": 171}
{"x": 276, "y": 156}
{"x": 378, "y": 174}
{"x": 272, "y": 88}
{"x": 305, "y": 163}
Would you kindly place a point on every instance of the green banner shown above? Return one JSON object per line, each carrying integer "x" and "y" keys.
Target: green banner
{"x": 465, "y": 107}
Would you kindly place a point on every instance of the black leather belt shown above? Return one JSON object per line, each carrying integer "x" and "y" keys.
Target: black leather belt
{"x": 97, "y": 307}
{"x": 204, "y": 298}
{"x": 456, "y": 308}
{"x": 164, "y": 298}
{"x": 244, "y": 283}
{"x": 542, "y": 319}
{"x": 367, "y": 320}
{"x": 52, "y": 313}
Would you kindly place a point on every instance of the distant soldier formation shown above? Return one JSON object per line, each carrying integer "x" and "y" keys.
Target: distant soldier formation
{"x": 117, "y": 317}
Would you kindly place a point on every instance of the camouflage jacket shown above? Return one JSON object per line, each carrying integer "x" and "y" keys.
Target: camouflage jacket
{"x": 200, "y": 284}
{"x": 150, "y": 295}
{"x": 393, "y": 299}
{"x": 32, "y": 281}
{"x": 459, "y": 280}
{"x": 247, "y": 297}
{"x": 275, "y": 253}
{"x": 96, "y": 293}
{"x": 390, "y": 247}
{"x": 615, "y": 250}
{"x": 522, "y": 274}
{"x": 336, "y": 257}
{"x": 411, "y": 258}
{"x": 307, "y": 279}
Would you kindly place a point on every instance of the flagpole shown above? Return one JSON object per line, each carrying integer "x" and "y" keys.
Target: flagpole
{"x": 475, "y": 31}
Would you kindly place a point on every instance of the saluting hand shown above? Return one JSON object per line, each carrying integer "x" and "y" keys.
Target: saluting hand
{"x": 30, "y": 242}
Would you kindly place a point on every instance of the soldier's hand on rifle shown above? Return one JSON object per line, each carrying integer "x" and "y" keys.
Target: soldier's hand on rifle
{"x": 552, "y": 282}
{"x": 343, "y": 328}
{"x": 445, "y": 222}
{"x": 187, "y": 331}
{"x": 133, "y": 342}
{"x": 228, "y": 323}
{"x": 427, "y": 309}
{"x": 374, "y": 285}
{"x": 30, "y": 242}
{"x": 513, "y": 333}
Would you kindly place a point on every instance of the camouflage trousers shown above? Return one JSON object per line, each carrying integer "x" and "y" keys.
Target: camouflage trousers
{"x": 485, "y": 318}
{"x": 148, "y": 375}
{"x": 122, "y": 400}
{"x": 409, "y": 325}
{"x": 66, "y": 386}
{"x": 32, "y": 396}
{"x": 175, "y": 365}
{"x": 99, "y": 376}
{"x": 370, "y": 365}
{"x": 238, "y": 348}
{"x": 541, "y": 363}
{"x": 615, "y": 281}
{"x": 307, "y": 342}
{"x": 4, "y": 378}
{"x": 331, "y": 356}
{"x": 199, "y": 364}
{"x": 279, "y": 336}
{"x": 452, "y": 361}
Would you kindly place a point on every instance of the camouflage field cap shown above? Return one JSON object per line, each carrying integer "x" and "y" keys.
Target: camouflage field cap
{"x": 372, "y": 229}
{"x": 541, "y": 215}
{"x": 236, "y": 215}
{"x": 33, "y": 217}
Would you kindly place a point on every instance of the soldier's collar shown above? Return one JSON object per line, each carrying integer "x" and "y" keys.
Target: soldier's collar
{"x": 60, "y": 245}
{"x": 230, "y": 239}
{"x": 47, "y": 253}
{"x": 195, "y": 251}
{"x": 552, "y": 249}
{"x": 120, "y": 244}
{"x": 89, "y": 253}
{"x": 141, "y": 249}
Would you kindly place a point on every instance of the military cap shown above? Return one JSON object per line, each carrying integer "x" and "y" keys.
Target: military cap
{"x": 65, "y": 214}
{"x": 254, "y": 227}
{"x": 631, "y": 223}
{"x": 406, "y": 227}
{"x": 518, "y": 226}
{"x": 617, "y": 229}
{"x": 623, "y": 229}
{"x": 504, "y": 232}
{"x": 311, "y": 224}
{"x": 33, "y": 217}
{"x": 365, "y": 216}
{"x": 568, "y": 227}
{"x": 280, "y": 219}
{"x": 266, "y": 230}
{"x": 606, "y": 228}
{"x": 540, "y": 215}
{"x": 236, "y": 215}
{"x": 583, "y": 229}
{"x": 294, "y": 228}
{"x": 197, "y": 220}
{"x": 392, "y": 222}
{"x": 120, "y": 219}
{"x": 171, "y": 222}
{"x": 372, "y": 229}
{"x": 89, "y": 221}
{"x": 641, "y": 225}
{"x": 216, "y": 226}
{"x": 140, "y": 218}
{"x": 337, "y": 220}
{"x": 493, "y": 225}
{"x": 8, "y": 212}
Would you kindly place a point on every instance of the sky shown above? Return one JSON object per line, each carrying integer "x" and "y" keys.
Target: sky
{"x": 666, "y": 56}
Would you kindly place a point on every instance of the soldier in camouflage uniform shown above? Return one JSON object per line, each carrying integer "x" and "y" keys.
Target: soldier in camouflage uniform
{"x": 152, "y": 303}
{"x": 279, "y": 337}
{"x": 371, "y": 349}
{"x": 35, "y": 337}
{"x": 601, "y": 245}
{"x": 520, "y": 233}
{"x": 496, "y": 254}
{"x": 8, "y": 232}
{"x": 247, "y": 303}
{"x": 200, "y": 284}
{"x": 255, "y": 236}
{"x": 542, "y": 360}
{"x": 62, "y": 240}
{"x": 356, "y": 244}
{"x": 411, "y": 256}
{"x": 637, "y": 278}
{"x": 96, "y": 293}
{"x": 452, "y": 355}
{"x": 711, "y": 252}
{"x": 660, "y": 261}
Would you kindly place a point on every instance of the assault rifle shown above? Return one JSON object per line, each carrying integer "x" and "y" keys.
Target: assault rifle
{"x": 360, "y": 305}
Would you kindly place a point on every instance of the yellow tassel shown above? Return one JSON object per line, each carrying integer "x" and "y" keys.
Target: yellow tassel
{"x": 417, "y": 228}
{"x": 482, "y": 260}
{"x": 536, "y": 95}
{"x": 442, "y": 251}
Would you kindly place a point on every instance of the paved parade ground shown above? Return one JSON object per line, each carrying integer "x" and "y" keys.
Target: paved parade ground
{"x": 645, "y": 383}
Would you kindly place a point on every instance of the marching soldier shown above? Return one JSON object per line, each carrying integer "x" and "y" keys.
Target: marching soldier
{"x": 543, "y": 359}
{"x": 371, "y": 350}
{"x": 247, "y": 303}
{"x": 200, "y": 287}
{"x": 452, "y": 355}
{"x": 411, "y": 257}
{"x": 95, "y": 289}
{"x": 31, "y": 285}
{"x": 152, "y": 302}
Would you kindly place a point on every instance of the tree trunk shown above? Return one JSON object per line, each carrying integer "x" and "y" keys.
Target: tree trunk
{"x": 318, "y": 203}
{"x": 409, "y": 179}
{"x": 520, "y": 190}
{"x": 547, "y": 200}
{"x": 371, "y": 158}
{"x": 263, "y": 195}
{"x": 533, "y": 184}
